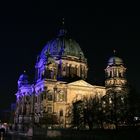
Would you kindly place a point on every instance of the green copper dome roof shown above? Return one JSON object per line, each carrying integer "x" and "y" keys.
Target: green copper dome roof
{"x": 62, "y": 46}
{"x": 23, "y": 77}
{"x": 115, "y": 61}
{"x": 23, "y": 80}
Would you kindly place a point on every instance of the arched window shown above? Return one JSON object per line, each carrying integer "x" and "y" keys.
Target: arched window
{"x": 35, "y": 99}
{"x": 75, "y": 71}
{"x": 59, "y": 70}
{"x": 41, "y": 96}
{"x": 110, "y": 74}
{"x": 61, "y": 113}
{"x": 106, "y": 74}
{"x": 44, "y": 95}
{"x": 50, "y": 97}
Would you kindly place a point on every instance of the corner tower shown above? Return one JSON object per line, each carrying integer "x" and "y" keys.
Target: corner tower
{"x": 115, "y": 74}
{"x": 115, "y": 100}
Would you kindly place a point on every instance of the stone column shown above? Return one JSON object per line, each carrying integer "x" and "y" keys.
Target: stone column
{"x": 117, "y": 72}
{"x": 85, "y": 72}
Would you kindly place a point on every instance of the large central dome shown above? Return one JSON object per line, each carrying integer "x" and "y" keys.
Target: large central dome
{"x": 62, "y": 46}
{"x": 61, "y": 59}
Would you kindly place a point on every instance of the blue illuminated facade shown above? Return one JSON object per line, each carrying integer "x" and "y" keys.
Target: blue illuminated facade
{"x": 60, "y": 80}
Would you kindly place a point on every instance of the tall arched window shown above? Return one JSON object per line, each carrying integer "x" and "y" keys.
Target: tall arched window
{"x": 61, "y": 113}
{"x": 50, "y": 98}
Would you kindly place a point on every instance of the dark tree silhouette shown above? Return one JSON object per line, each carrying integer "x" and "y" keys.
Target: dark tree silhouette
{"x": 115, "y": 106}
{"x": 134, "y": 106}
{"x": 88, "y": 113}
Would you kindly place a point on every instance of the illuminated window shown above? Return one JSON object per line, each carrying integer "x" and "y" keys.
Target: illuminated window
{"x": 104, "y": 104}
{"x": 110, "y": 101}
{"x": 61, "y": 96}
{"x": 122, "y": 99}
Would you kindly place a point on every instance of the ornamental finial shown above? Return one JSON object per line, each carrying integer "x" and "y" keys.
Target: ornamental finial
{"x": 63, "y": 21}
{"x": 62, "y": 31}
{"x": 114, "y": 51}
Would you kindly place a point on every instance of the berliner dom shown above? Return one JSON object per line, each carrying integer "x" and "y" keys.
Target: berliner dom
{"x": 60, "y": 80}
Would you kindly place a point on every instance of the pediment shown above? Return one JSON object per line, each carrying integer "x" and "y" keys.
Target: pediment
{"x": 80, "y": 83}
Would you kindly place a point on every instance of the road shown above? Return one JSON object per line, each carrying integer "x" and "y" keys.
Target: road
{"x": 17, "y": 137}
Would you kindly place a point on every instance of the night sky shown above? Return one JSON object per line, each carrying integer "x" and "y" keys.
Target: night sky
{"x": 26, "y": 27}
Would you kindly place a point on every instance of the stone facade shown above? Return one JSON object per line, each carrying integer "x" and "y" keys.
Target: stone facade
{"x": 60, "y": 80}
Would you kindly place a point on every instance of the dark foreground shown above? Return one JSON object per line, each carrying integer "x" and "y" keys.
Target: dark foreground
{"x": 83, "y": 135}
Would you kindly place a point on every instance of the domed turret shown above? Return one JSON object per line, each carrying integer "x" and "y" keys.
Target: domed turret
{"x": 115, "y": 73}
{"x": 115, "y": 61}
{"x": 23, "y": 80}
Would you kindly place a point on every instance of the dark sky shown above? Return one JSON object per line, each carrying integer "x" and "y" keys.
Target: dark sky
{"x": 26, "y": 27}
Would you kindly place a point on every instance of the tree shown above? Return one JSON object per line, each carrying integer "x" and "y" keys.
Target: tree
{"x": 134, "y": 106}
{"x": 77, "y": 111}
{"x": 115, "y": 107}
{"x": 94, "y": 113}
{"x": 88, "y": 112}
{"x": 49, "y": 119}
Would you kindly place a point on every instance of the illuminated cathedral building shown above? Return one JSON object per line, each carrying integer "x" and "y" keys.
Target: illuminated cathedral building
{"x": 60, "y": 80}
